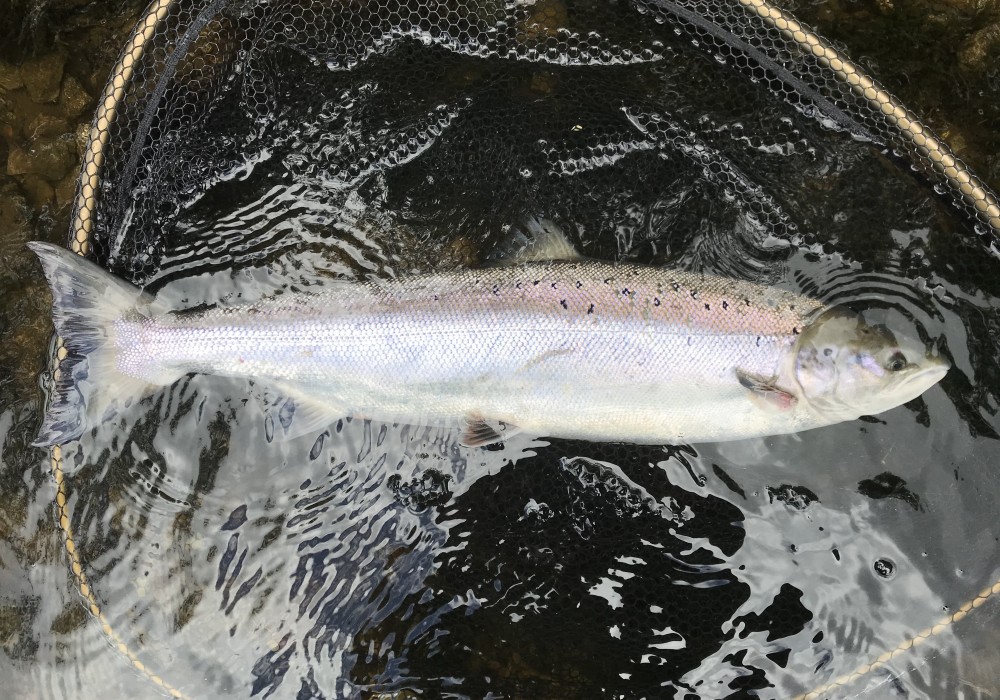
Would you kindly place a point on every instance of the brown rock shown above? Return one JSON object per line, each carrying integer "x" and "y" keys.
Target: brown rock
{"x": 74, "y": 100}
{"x": 543, "y": 82}
{"x": 45, "y": 125}
{"x": 81, "y": 135}
{"x": 545, "y": 19}
{"x": 43, "y": 75}
{"x": 37, "y": 190}
{"x": 966, "y": 7}
{"x": 975, "y": 50}
{"x": 66, "y": 189}
{"x": 15, "y": 225}
{"x": 49, "y": 157}
{"x": 10, "y": 79}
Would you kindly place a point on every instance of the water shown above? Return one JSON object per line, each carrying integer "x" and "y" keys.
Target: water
{"x": 383, "y": 560}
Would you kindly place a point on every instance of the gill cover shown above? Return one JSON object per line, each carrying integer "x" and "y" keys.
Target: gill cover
{"x": 847, "y": 367}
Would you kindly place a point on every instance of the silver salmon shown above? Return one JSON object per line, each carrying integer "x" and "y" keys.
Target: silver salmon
{"x": 572, "y": 349}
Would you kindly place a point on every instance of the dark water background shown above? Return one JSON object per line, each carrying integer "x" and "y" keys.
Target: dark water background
{"x": 385, "y": 561}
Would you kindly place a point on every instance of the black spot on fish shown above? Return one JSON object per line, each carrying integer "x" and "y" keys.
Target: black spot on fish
{"x": 747, "y": 302}
{"x": 725, "y": 304}
{"x": 795, "y": 331}
{"x": 625, "y": 291}
{"x": 579, "y": 284}
{"x": 676, "y": 286}
{"x": 656, "y": 301}
{"x": 536, "y": 282}
{"x": 609, "y": 280}
{"x": 758, "y": 341}
{"x": 517, "y": 286}
{"x": 828, "y": 352}
{"x": 496, "y": 290}
{"x": 437, "y": 297}
{"x": 591, "y": 309}
{"x": 708, "y": 307}
{"x": 563, "y": 302}
{"x": 694, "y": 293}
{"x": 553, "y": 285}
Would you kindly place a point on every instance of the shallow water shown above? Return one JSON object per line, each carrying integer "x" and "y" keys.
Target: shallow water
{"x": 376, "y": 559}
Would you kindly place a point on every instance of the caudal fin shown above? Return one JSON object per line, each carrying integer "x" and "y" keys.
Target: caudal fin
{"x": 86, "y": 302}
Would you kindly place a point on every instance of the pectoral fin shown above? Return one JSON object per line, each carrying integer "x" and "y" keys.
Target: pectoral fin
{"x": 479, "y": 432}
{"x": 766, "y": 390}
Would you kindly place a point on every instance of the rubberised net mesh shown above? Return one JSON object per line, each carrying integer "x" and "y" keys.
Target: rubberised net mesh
{"x": 375, "y": 84}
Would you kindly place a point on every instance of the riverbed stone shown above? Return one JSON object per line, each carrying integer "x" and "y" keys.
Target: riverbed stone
{"x": 977, "y": 49}
{"x": 15, "y": 222}
{"x": 80, "y": 136}
{"x": 47, "y": 125}
{"x": 49, "y": 157}
{"x": 66, "y": 189}
{"x": 37, "y": 190}
{"x": 43, "y": 76}
{"x": 10, "y": 78}
{"x": 74, "y": 100}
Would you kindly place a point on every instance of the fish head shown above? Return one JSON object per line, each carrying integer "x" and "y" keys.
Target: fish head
{"x": 847, "y": 367}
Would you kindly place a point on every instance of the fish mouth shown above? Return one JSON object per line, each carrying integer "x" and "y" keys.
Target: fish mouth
{"x": 935, "y": 366}
{"x": 932, "y": 370}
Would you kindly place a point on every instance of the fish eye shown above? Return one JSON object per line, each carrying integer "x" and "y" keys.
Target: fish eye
{"x": 897, "y": 362}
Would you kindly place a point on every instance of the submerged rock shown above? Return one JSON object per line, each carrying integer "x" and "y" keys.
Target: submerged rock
{"x": 38, "y": 191}
{"x": 975, "y": 51}
{"x": 47, "y": 125}
{"x": 47, "y": 156}
{"x": 10, "y": 79}
{"x": 43, "y": 76}
{"x": 74, "y": 100}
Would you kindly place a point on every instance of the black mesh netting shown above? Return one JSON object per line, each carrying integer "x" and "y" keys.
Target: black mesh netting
{"x": 249, "y": 146}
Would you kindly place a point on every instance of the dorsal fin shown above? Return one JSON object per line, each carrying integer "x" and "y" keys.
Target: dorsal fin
{"x": 535, "y": 240}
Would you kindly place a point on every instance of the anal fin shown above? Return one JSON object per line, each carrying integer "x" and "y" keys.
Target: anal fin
{"x": 479, "y": 432}
{"x": 297, "y": 413}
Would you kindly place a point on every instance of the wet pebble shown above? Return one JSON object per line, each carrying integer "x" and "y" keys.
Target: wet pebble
{"x": 975, "y": 51}
{"x": 42, "y": 77}
{"x": 50, "y": 157}
{"x": 37, "y": 190}
{"x": 47, "y": 125}
{"x": 74, "y": 100}
{"x": 15, "y": 224}
{"x": 10, "y": 78}
{"x": 65, "y": 189}
{"x": 545, "y": 19}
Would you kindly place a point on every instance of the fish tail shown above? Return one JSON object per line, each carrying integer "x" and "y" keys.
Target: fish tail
{"x": 86, "y": 303}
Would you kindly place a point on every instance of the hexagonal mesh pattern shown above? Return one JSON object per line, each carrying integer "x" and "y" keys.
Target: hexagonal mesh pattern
{"x": 203, "y": 87}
